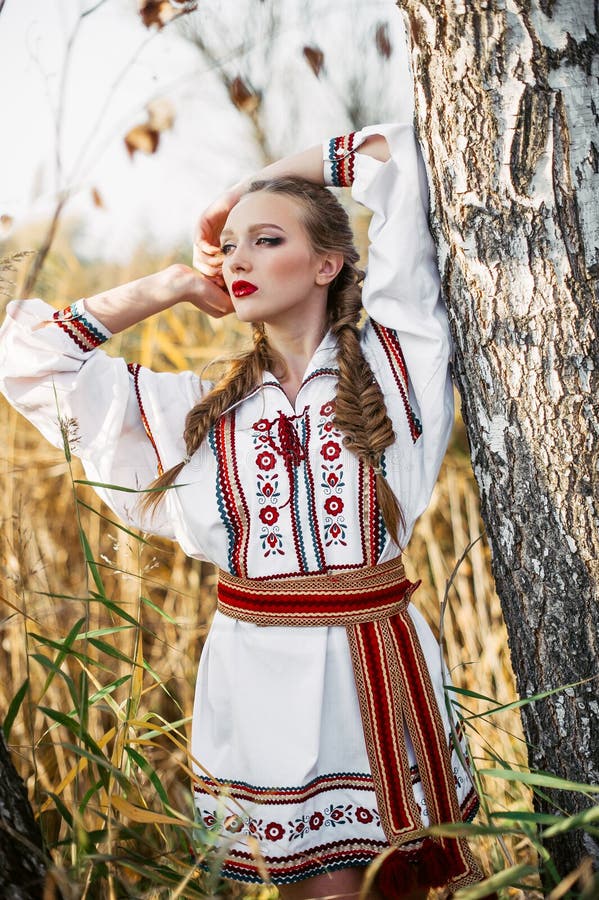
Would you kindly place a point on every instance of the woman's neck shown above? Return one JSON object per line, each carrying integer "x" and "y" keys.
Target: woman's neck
{"x": 296, "y": 346}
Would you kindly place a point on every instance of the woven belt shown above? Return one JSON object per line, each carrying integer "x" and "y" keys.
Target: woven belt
{"x": 393, "y": 683}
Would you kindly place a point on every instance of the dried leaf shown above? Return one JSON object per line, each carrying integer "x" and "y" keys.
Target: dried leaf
{"x": 160, "y": 12}
{"x": 97, "y": 198}
{"x": 383, "y": 44}
{"x": 315, "y": 59}
{"x": 161, "y": 114}
{"x": 138, "y": 814}
{"x": 142, "y": 138}
{"x": 244, "y": 99}
{"x": 156, "y": 12}
{"x": 146, "y": 137}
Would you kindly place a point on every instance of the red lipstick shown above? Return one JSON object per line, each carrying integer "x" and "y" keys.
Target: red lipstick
{"x": 243, "y": 288}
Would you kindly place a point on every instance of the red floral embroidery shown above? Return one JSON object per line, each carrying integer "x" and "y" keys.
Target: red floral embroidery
{"x": 331, "y": 450}
{"x": 363, "y": 815}
{"x": 330, "y": 817}
{"x": 274, "y": 831}
{"x": 333, "y": 505}
{"x": 272, "y": 542}
{"x": 331, "y": 478}
{"x": 261, "y": 425}
{"x": 269, "y": 515}
{"x": 316, "y": 820}
{"x": 234, "y": 824}
{"x": 265, "y": 460}
{"x": 267, "y": 488}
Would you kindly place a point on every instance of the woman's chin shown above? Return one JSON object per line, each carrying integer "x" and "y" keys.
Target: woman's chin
{"x": 244, "y": 314}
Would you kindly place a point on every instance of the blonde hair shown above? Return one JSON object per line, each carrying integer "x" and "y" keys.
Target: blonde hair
{"x": 360, "y": 411}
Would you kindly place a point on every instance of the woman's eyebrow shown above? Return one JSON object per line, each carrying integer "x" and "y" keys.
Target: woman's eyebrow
{"x": 258, "y": 227}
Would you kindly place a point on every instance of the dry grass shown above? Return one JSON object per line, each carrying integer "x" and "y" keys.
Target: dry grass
{"x": 43, "y": 565}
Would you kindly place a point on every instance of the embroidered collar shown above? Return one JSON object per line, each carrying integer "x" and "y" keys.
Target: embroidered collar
{"x": 323, "y": 362}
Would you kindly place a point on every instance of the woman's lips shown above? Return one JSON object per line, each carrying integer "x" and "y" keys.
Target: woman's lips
{"x": 243, "y": 288}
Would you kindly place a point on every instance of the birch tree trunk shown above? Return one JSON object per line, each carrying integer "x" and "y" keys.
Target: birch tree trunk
{"x": 22, "y": 859}
{"x": 507, "y": 108}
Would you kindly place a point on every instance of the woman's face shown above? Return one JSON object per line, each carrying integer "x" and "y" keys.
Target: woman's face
{"x": 270, "y": 269}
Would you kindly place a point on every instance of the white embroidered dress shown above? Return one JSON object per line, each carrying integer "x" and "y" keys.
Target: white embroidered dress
{"x": 274, "y": 492}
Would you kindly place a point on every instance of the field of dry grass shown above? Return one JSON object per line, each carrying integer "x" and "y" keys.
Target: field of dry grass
{"x": 128, "y": 710}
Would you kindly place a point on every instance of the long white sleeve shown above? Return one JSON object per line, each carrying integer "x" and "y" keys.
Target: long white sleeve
{"x": 401, "y": 292}
{"x": 101, "y": 402}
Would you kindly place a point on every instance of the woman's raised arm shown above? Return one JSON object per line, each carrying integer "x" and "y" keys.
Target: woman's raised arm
{"x": 120, "y": 307}
{"x": 306, "y": 164}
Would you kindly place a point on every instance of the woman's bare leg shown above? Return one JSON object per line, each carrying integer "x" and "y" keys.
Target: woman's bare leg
{"x": 342, "y": 885}
{"x": 345, "y": 884}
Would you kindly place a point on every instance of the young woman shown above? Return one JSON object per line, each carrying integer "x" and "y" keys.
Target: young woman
{"x": 319, "y": 707}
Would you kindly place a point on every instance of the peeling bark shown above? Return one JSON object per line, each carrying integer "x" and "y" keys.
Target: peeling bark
{"x": 22, "y": 866}
{"x": 507, "y": 108}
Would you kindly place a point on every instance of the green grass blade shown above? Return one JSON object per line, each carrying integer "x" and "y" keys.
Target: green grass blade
{"x": 148, "y": 770}
{"x": 505, "y": 878}
{"x": 157, "y": 609}
{"x": 526, "y": 816}
{"x": 13, "y": 709}
{"x": 100, "y": 761}
{"x": 524, "y": 701}
{"x": 108, "y": 689}
{"x": 92, "y": 565}
{"x": 94, "y": 753}
{"x": 82, "y": 657}
{"x": 62, "y": 809}
{"x": 114, "y": 522}
{"x": 100, "y": 632}
{"x": 103, "y": 647}
{"x": 579, "y": 820}
{"x": 541, "y": 779}
{"x": 89, "y": 794}
{"x": 63, "y": 648}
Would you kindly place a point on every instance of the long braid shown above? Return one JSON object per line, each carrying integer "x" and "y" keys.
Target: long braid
{"x": 241, "y": 378}
{"x": 360, "y": 412}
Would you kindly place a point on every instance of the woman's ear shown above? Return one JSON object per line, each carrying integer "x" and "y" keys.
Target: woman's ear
{"x": 330, "y": 266}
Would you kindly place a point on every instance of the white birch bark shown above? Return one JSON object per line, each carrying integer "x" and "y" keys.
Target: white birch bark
{"x": 507, "y": 108}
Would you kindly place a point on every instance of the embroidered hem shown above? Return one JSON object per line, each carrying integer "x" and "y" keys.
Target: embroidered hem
{"x": 422, "y": 862}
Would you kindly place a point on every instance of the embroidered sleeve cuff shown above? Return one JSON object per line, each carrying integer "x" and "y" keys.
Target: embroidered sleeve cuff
{"x": 338, "y": 154}
{"x": 83, "y": 329}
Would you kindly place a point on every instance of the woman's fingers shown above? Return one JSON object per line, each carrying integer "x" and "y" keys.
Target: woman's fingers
{"x": 212, "y": 298}
{"x": 206, "y": 242}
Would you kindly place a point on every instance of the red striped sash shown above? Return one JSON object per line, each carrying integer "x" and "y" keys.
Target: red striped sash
{"x": 394, "y": 689}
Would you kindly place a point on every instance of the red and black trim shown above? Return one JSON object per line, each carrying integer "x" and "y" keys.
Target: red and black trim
{"x": 83, "y": 332}
{"x": 340, "y": 169}
{"x": 392, "y": 349}
{"x": 134, "y": 371}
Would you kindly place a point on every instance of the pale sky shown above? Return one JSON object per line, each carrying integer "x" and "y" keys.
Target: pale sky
{"x": 117, "y": 65}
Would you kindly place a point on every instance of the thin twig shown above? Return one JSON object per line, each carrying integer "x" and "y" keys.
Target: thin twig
{"x": 92, "y": 9}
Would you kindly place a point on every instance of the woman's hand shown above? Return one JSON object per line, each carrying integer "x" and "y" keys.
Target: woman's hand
{"x": 183, "y": 283}
{"x": 207, "y": 256}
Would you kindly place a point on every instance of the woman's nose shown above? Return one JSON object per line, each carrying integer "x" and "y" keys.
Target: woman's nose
{"x": 238, "y": 260}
